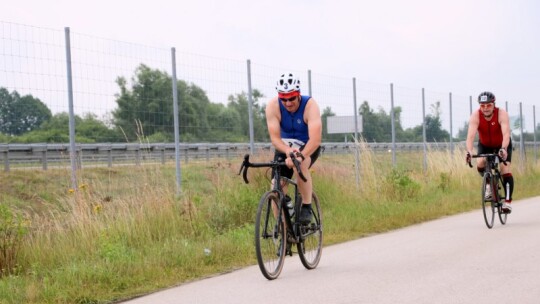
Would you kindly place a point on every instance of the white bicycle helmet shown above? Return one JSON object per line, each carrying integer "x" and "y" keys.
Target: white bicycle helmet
{"x": 287, "y": 83}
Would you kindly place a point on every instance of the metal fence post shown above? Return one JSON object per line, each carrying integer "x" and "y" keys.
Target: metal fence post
{"x": 44, "y": 158}
{"x": 6, "y": 159}
{"x": 393, "y": 125}
{"x": 534, "y": 134}
{"x": 424, "y": 139}
{"x": 470, "y": 105}
{"x": 72, "y": 152}
{"x": 309, "y": 82}
{"x": 109, "y": 158}
{"x": 250, "y": 110}
{"x": 176, "y": 125}
{"x": 451, "y": 131}
{"x": 521, "y": 141}
{"x": 356, "y": 142}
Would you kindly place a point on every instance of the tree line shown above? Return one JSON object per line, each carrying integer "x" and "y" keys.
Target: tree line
{"x": 144, "y": 112}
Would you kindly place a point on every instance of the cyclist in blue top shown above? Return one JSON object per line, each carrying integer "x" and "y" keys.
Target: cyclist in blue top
{"x": 294, "y": 124}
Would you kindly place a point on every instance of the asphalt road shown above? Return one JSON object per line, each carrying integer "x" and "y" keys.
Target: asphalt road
{"x": 451, "y": 260}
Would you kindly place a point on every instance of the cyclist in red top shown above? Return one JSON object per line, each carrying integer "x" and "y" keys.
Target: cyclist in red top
{"x": 493, "y": 127}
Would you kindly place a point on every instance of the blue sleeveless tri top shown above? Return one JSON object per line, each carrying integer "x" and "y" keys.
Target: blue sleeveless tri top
{"x": 292, "y": 124}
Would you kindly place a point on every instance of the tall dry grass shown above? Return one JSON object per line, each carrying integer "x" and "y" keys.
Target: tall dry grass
{"x": 125, "y": 232}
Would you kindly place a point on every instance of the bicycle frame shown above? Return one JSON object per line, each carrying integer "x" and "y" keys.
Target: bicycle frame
{"x": 276, "y": 230}
{"x": 277, "y": 187}
{"x": 494, "y": 177}
{"x": 492, "y": 170}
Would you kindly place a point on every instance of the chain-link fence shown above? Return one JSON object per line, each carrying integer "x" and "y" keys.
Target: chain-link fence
{"x": 119, "y": 92}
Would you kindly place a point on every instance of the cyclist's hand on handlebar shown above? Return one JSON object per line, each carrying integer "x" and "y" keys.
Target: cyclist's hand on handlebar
{"x": 289, "y": 161}
{"x": 503, "y": 154}
{"x": 468, "y": 158}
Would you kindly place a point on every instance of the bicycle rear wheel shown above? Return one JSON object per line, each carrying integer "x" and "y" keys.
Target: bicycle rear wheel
{"x": 502, "y": 215}
{"x": 487, "y": 205}
{"x": 269, "y": 237}
{"x": 310, "y": 249}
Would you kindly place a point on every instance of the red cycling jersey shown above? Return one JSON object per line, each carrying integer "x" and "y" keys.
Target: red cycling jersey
{"x": 490, "y": 132}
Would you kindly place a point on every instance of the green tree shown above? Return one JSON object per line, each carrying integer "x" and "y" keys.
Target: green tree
{"x": 434, "y": 131}
{"x": 88, "y": 129}
{"x": 239, "y": 103}
{"x": 19, "y": 115}
{"x": 89, "y": 126}
{"x": 462, "y": 132}
{"x": 146, "y": 108}
{"x": 377, "y": 126}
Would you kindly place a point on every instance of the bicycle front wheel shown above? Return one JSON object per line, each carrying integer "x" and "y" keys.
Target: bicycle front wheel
{"x": 269, "y": 237}
{"x": 487, "y": 205}
{"x": 502, "y": 215}
{"x": 310, "y": 246}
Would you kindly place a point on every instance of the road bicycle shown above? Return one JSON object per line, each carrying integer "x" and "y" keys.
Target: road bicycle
{"x": 492, "y": 179}
{"x": 277, "y": 227}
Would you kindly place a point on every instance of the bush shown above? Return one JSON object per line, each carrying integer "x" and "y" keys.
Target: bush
{"x": 399, "y": 186}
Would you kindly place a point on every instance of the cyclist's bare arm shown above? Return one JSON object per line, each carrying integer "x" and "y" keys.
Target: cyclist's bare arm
{"x": 505, "y": 127}
{"x": 273, "y": 118}
{"x": 474, "y": 121}
{"x": 312, "y": 117}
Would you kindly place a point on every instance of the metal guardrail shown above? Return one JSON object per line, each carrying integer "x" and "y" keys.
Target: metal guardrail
{"x": 45, "y": 155}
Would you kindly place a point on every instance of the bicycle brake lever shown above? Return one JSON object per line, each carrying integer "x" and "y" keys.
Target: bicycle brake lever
{"x": 299, "y": 154}
{"x": 297, "y": 165}
{"x": 244, "y": 168}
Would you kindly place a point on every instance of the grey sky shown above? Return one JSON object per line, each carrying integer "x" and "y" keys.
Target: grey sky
{"x": 458, "y": 45}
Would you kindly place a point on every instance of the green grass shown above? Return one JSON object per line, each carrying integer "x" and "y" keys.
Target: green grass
{"x": 124, "y": 232}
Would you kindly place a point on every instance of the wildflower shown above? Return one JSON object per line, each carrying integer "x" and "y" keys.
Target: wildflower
{"x": 97, "y": 208}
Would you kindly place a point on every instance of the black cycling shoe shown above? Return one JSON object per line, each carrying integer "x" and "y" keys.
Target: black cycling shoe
{"x": 305, "y": 214}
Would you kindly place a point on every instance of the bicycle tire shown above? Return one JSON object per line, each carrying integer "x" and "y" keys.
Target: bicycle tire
{"x": 310, "y": 248}
{"x": 269, "y": 237}
{"x": 503, "y": 216}
{"x": 488, "y": 207}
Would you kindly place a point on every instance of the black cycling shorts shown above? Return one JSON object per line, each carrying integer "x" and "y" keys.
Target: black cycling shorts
{"x": 486, "y": 150}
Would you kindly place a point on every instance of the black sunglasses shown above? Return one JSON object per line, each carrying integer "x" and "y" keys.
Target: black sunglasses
{"x": 288, "y": 99}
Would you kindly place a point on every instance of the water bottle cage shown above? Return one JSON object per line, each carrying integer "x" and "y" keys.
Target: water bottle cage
{"x": 289, "y": 204}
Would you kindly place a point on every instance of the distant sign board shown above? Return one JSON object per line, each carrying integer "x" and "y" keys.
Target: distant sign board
{"x": 343, "y": 124}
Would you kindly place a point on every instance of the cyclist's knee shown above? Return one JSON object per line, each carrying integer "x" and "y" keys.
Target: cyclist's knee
{"x": 481, "y": 170}
{"x": 505, "y": 169}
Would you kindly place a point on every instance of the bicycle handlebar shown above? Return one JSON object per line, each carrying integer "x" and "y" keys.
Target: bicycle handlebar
{"x": 273, "y": 164}
{"x": 486, "y": 155}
